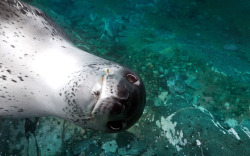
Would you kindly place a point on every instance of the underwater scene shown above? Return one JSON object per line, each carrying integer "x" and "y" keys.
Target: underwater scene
{"x": 193, "y": 57}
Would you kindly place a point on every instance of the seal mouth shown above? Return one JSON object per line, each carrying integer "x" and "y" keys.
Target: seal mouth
{"x": 116, "y": 125}
{"x": 95, "y": 111}
{"x": 116, "y": 103}
{"x": 116, "y": 107}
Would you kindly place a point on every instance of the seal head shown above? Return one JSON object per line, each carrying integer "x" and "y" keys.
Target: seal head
{"x": 127, "y": 99}
{"x": 117, "y": 97}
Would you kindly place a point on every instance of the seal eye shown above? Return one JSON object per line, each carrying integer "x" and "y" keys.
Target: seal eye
{"x": 131, "y": 78}
{"x": 116, "y": 125}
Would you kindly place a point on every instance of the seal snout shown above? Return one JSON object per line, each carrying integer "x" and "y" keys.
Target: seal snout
{"x": 129, "y": 103}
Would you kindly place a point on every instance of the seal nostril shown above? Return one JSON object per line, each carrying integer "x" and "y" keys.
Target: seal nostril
{"x": 116, "y": 125}
{"x": 131, "y": 78}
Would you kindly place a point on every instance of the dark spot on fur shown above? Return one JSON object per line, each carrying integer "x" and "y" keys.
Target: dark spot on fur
{"x": 20, "y": 110}
{"x": 38, "y": 13}
{"x": 23, "y": 11}
{"x": 13, "y": 80}
{"x": 9, "y": 71}
{"x": 21, "y": 79}
{"x": 3, "y": 77}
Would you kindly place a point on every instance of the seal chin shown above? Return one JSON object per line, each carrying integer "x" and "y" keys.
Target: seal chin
{"x": 127, "y": 103}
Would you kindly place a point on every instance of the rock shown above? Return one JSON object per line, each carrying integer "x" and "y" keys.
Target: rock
{"x": 157, "y": 102}
{"x": 112, "y": 27}
{"x": 110, "y": 146}
{"x": 231, "y": 47}
{"x": 32, "y": 146}
{"x": 194, "y": 101}
{"x": 175, "y": 103}
{"x": 161, "y": 76}
{"x": 48, "y": 138}
{"x": 227, "y": 105}
{"x": 149, "y": 64}
{"x": 122, "y": 151}
{"x": 149, "y": 152}
{"x": 136, "y": 149}
{"x": 166, "y": 72}
{"x": 163, "y": 96}
{"x": 143, "y": 68}
{"x": 191, "y": 131}
{"x": 176, "y": 86}
{"x": 231, "y": 122}
{"x": 243, "y": 133}
{"x": 94, "y": 149}
{"x": 83, "y": 145}
{"x": 155, "y": 72}
{"x": 188, "y": 82}
{"x": 193, "y": 84}
{"x": 161, "y": 69}
{"x": 125, "y": 138}
{"x": 246, "y": 123}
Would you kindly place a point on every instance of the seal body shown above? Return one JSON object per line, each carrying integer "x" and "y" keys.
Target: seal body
{"x": 42, "y": 73}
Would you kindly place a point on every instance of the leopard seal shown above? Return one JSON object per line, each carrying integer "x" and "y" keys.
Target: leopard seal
{"x": 43, "y": 74}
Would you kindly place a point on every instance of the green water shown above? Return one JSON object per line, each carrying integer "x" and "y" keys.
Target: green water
{"x": 193, "y": 57}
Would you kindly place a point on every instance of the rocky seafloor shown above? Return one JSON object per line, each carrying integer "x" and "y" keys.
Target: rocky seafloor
{"x": 193, "y": 57}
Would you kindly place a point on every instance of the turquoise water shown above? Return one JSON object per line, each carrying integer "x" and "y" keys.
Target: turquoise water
{"x": 193, "y": 57}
